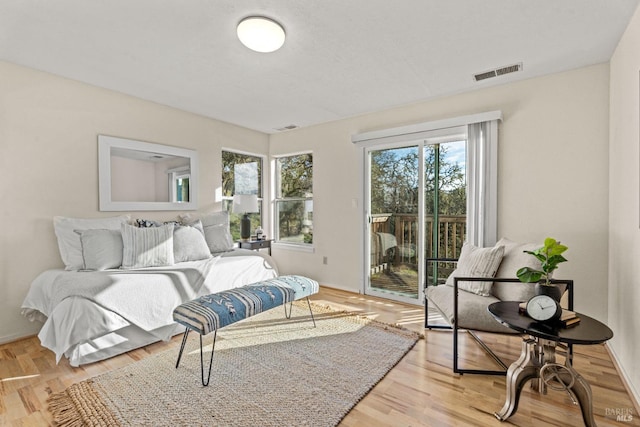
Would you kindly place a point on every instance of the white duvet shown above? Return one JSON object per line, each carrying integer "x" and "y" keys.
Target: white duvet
{"x": 89, "y": 316}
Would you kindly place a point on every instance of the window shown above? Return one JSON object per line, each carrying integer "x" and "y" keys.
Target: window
{"x": 179, "y": 185}
{"x": 294, "y": 199}
{"x": 241, "y": 174}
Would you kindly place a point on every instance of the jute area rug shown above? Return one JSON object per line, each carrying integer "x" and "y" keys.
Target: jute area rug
{"x": 267, "y": 371}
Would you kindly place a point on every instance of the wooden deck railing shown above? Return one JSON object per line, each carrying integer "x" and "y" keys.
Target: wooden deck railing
{"x": 404, "y": 227}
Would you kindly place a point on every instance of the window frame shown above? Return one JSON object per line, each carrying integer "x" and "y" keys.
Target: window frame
{"x": 278, "y": 199}
{"x": 227, "y": 201}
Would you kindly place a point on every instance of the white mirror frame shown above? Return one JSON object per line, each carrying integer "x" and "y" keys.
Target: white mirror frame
{"x": 106, "y": 143}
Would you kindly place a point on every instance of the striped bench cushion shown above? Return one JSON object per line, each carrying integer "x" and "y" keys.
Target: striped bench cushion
{"x": 214, "y": 311}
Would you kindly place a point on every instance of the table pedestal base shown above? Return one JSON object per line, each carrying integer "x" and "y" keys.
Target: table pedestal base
{"x": 537, "y": 362}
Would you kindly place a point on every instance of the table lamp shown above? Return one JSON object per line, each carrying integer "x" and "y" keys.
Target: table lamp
{"x": 245, "y": 204}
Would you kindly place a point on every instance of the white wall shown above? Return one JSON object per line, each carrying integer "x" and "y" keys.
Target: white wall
{"x": 49, "y": 166}
{"x": 553, "y": 176}
{"x": 624, "y": 217}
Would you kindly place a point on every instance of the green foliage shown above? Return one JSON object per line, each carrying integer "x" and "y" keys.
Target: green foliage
{"x": 229, "y": 160}
{"x": 308, "y": 237}
{"x": 295, "y": 186}
{"x": 550, "y": 255}
{"x": 296, "y": 176}
{"x": 395, "y": 175}
{"x": 394, "y": 181}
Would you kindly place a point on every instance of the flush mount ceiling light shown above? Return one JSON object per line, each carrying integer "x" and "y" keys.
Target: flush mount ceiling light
{"x": 261, "y": 34}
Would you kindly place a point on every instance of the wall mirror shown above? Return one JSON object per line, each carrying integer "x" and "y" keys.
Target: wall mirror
{"x": 141, "y": 176}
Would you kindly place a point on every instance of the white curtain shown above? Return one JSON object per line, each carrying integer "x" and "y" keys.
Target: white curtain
{"x": 482, "y": 170}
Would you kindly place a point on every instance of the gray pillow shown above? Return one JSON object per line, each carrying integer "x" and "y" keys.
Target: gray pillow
{"x": 101, "y": 249}
{"x": 514, "y": 259}
{"x": 215, "y": 218}
{"x": 477, "y": 262}
{"x": 69, "y": 240}
{"x": 218, "y": 238}
{"x": 189, "y": 243}
{"x": 147, "y": 247}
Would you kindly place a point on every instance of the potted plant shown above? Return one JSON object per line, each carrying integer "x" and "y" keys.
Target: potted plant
{"x": 550, "y": 255}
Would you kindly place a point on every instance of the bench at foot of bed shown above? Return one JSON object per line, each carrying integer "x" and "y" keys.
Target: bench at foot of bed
{"x": 212, "y": 312}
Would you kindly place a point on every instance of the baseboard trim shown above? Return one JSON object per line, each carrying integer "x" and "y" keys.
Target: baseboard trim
{"x": 10, "y": 339}
{"x": 635, "y": 397}
{"x": 340, "y": 288}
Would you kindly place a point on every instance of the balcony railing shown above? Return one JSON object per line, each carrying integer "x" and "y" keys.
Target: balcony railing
{"x": 394, "y": 238}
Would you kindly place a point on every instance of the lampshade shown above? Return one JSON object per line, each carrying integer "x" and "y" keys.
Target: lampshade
{"x": 261, "y": 34}
{"x": 245, "y": 203}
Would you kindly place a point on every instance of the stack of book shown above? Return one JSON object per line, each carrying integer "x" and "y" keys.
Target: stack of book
{"x": 568, "y": 319}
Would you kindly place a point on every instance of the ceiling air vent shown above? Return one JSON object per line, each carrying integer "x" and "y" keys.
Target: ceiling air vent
{"x": 498, "y": 72}
{"x": 483, "y": 76}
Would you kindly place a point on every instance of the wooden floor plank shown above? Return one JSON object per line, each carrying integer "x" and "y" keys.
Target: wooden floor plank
{"x": 420, "y": 391}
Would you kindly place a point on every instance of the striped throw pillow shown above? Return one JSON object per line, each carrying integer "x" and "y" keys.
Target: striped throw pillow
{"x": 477, "y": 262}
{"x": 147, "y": 247}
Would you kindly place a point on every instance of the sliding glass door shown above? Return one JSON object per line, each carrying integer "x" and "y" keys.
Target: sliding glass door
{"x": 416, "y": 199}
{"x": 393, "y": 221}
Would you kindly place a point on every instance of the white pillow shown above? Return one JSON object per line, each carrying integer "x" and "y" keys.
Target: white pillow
{"x": 101, "y": 249}
{"x": 189, "y": 243}
{"x": 218, "y": 238}
{"x": 147, "y": 247}
{"x": 69, "y": 241}
{"x": 477, "y": 262}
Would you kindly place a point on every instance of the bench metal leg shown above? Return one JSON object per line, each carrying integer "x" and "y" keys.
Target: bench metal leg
{"x": 213, "y": 347}
{"x": 288, "y": 315}
{"x": 184, "y": 341}
{"x": 215, "y": 335}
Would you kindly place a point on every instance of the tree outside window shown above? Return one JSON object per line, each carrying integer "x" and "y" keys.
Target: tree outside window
{"x": 241, "y": 174}
{"x": 294, "y": 201}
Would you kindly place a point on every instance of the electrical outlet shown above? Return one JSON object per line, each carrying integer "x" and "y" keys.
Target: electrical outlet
{"x": 325, "y": 260}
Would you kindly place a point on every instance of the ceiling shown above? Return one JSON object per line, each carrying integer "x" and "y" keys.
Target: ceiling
{"x": 341, "y": 58}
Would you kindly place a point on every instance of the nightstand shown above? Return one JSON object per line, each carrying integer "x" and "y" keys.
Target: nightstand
{"x": 255, "y": 245}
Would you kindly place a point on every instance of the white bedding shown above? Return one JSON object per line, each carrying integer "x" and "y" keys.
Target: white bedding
{"x": 89, "y": 316}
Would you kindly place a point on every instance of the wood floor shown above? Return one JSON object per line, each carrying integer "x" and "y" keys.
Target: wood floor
{"x": 420, "y": 391}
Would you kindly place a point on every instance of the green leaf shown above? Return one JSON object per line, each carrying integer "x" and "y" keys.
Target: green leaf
{"x": 553, "y": 247}
{"x": 555, "y": 260}
{"x": 557, "y": 250}
{"x": 529, "y": 275}
{"x": 540, "y": 256}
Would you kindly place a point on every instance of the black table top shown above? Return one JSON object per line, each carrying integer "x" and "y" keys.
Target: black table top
{"x": 588, "y": 331}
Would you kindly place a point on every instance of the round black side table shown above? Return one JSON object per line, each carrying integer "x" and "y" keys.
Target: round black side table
{"x": 538, "y": 357}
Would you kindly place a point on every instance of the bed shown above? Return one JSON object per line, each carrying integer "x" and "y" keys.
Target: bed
{"x": 121, "y": 282}
{"x": 91, "y": 316}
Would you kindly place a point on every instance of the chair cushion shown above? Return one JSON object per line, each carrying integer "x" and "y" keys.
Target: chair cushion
{"x": 477, "y": 262}
{"x": 472, "y": 309}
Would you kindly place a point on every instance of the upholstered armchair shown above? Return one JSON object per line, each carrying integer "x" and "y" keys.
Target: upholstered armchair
{"x": 484, "y": 276}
